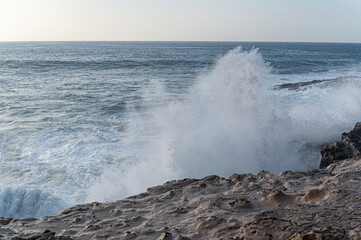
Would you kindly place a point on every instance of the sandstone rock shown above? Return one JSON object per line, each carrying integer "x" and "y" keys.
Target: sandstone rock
{"x": 180, "y": 237}
{"x": 310, "y": 204}
{"x": 240, "y": 203}
{"x": 165, "y": 236}
{"x": 46, "y": 235}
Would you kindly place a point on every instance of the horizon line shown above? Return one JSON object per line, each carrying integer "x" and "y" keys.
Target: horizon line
{"x": 230, "y": 41}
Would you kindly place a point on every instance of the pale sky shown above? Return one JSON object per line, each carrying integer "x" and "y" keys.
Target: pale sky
{"x": 180, "y": 20}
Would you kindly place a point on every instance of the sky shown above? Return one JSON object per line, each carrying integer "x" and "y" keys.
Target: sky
{"x": 181, "y": 20}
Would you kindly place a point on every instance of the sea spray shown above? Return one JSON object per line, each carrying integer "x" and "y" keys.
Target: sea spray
{"x": 102, "y": 130}
{"x": 228, "y": 122}
{"x": 18, "y": 202}
{"x": 231, "y": 122}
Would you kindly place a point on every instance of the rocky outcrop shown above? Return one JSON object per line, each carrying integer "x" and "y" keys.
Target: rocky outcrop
{"x": 312, "y": 204}
{"x": 294, "y": 205}
{"x": 348, "y": 147}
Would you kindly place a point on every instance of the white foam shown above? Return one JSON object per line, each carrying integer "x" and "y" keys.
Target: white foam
{"x": 231, "y": 122}
{"x": 54, "y": 170}
{"x": 21, "y": 202}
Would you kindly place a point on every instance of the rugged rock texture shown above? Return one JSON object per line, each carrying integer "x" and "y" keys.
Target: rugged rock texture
{"x": 313, "y": 204}
{"x": 348, "y": 147}
{"x": 318, "y": 204}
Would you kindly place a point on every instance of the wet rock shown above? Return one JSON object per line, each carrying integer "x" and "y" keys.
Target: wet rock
{"x": 334, "y": 153}
{"x": 348, "y": 147}
{"x": 317, "y": 204}
{"x": 5, "y": 220}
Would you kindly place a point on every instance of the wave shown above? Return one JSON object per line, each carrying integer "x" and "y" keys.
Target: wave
{"x": 231, "y": 122}
{"x": 22, "y": 202}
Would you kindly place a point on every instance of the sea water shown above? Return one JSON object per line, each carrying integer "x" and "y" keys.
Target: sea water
{"x": 98, "y": 121}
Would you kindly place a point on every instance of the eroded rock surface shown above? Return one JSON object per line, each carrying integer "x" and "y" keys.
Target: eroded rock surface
{"x": 348, "y": 147}
{"x": 296, "y": 205}
{"x": 313, "y": 204}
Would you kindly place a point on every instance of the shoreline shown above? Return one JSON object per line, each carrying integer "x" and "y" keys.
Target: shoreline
{"x": 311, "y": 204}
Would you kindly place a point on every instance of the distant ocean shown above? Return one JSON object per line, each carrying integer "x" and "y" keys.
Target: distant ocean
{"x": 98, "y": 121}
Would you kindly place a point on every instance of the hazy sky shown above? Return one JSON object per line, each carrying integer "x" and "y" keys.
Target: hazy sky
{"x": 177, "y": 20}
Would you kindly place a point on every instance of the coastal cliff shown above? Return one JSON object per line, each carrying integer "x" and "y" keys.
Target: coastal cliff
{"x": 312, "y": 204}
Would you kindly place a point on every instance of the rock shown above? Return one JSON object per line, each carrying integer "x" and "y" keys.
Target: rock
{"x": 180, "y": 237}
{"x": 240, "y": 203}
{"x": 208, "y": 223}
{"x": 314, "y": 195}
{"x": 348, "y": 147}
{"x": 333, "y": 153}
{"x": 5, "y": 220}
{"x": 46, "y": 235}
{"x": 165, "y": 236}
{"x": 318, "y": 236}
{"x": 129, "y": 235}
{"x": 299, "y": 205}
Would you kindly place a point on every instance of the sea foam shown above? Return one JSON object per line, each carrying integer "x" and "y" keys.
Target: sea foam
{"x": 232, "y": 121}
{"x": 19, "y": 202}
{"x": 67, "y": 138}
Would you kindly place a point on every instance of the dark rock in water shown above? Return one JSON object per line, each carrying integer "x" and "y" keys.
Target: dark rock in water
{"x": 5, "y": 220}
{"x": 335, "y": 152}
{"x": 348, "y": 147}
{"x": 298, "y": 86}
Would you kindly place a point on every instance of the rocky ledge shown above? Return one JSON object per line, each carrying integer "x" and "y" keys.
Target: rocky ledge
{"x": 348, "y": 147}
{"x": 313, "y": 204}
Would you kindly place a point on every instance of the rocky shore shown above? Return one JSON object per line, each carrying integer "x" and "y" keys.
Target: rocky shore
{"x": 320, "y": 204}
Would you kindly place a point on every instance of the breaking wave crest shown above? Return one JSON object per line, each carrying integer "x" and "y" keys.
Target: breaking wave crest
{"x": 230, "y": 121}
{"x": 22, "y": 202}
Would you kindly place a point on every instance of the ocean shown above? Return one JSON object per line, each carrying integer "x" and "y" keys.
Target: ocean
{"x": 99, "y": 121}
